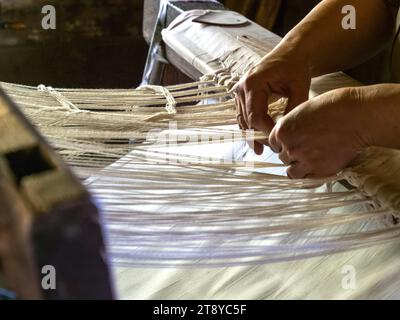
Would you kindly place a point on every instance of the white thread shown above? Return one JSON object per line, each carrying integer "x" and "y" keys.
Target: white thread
{"x": 60, "y": 98}
{"x": 222, "y": 77}
{"x": 100, "y": 124}
{"x": 171, "y": 102}
{"x": 241, "y": 217}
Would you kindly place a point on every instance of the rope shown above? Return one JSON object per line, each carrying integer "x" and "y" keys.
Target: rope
{"x": 171, "y": 102}
{"x": 60, "y": 98}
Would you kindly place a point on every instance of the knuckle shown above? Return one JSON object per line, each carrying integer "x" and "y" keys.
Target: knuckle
{"x": 281, "y": 131}
{"x": 290, "y": 152}
{"x": 253, "y": 119}
{"x": 303, "y": 155}
{"x": 291, "y": 173}
{"x": 250, "y": 80}
{"x": 351, "y": 94}
{"x": 241, "y": 123}
{"x": 285, "y": 158}
{"x": 238, "y": 90}
{"x": 293, "y": 153}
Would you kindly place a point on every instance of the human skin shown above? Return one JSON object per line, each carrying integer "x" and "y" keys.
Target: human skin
{"x": 320, "y": 137}
{"x": 323, "y": 135}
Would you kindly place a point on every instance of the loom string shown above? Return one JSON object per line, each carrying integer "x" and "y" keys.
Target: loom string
{"x": 236, "y": 217}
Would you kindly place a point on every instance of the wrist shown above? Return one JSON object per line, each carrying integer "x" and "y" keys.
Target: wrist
{"x": 379, "y": 114}
{"x": 295, "y": 47}
{"x": 356, "y": 112}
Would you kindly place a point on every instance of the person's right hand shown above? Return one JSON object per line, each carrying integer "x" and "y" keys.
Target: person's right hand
{"x": 276, "y": 74}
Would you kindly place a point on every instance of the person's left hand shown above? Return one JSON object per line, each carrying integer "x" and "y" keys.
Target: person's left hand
{"x": 322, "y": 136}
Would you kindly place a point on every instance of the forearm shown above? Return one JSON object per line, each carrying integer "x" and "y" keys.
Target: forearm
{"x": 321, "y": 41}
{"x": 380, "y": 115}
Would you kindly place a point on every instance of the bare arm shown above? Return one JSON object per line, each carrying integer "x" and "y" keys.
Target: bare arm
{"x": 327, "y": 47}
{"x": 381, "y": 115}
{"x": 316, "y": 46}
{"x": 325, "y": 134}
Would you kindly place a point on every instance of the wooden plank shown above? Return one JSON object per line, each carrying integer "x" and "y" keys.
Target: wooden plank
{"x": 175, "y": 8}
{"x": 191, "y": 47}
{"x": 41, "y": 202}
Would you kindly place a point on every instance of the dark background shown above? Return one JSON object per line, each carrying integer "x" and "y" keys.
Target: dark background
{"x": 97, "y": 43}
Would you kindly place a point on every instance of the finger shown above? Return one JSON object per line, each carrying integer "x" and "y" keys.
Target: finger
{"x": 237, "y": 104}
{"x": 254, "y": 145}
{"x": 273, "y": 141}
{"x": 297, "y": 96}
{"x": 260, "y": 123}
{"x": 284, "y": 157}
{"x": 239, "y": 93}
{"x": 258, "y": 148}
{"x": 298, "y": 170}
{"x": 242, "y": 112}
{"x": 241, "y": 122}
{"x": 239, "y": 115}
{"x": 258, "y": 118}
{"x": 264, "y": 142}
{"x": 256, "y": 110}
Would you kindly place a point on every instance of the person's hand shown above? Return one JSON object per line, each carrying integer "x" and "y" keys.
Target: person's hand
{"x": 323, "y": 135}
{"x": 284, "y": 75}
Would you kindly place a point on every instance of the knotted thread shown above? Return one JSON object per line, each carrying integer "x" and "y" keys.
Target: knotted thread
{"x": 60, "y": 98}
{"x": 171, "y": 102}
{"x": 222, "y": 77}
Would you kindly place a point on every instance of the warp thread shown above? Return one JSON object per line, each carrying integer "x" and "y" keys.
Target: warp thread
{"x": 60, "y": 98}
{"x": 171, "y": 102}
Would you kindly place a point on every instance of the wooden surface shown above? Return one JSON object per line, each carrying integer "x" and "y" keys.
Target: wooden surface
{"x": 41, "y": 201}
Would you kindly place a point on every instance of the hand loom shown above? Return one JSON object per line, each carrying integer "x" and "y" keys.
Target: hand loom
{"x": 215, "y": 221}
{"x": 47, "y": 219}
